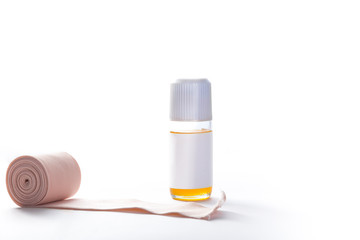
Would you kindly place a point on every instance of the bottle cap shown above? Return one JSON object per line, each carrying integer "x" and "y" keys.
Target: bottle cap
{"x": 190, "y": 100}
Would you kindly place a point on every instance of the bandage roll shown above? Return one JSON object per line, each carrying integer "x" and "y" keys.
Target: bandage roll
{"x": 34, "y": 180}
{"x": 46, "y": 181}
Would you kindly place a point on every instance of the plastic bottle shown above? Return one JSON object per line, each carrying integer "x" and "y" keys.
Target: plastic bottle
{"x": 191, "y": 140}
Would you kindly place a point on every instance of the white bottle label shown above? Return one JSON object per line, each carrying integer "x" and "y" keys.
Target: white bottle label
{"x": 191, "y": 160}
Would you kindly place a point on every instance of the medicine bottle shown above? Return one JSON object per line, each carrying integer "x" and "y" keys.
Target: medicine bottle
{"x": 191, "y": 140}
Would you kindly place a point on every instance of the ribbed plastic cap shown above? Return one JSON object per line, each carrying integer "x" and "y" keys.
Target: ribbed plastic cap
{"x": 190, "y": 100}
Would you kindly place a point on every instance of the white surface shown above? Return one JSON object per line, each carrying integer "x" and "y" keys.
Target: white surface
{"x": 285, "y": 80}
{"x": 191, "y": 160}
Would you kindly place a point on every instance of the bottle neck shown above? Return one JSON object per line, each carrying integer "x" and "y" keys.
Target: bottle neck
{"x": 190, "y": 127}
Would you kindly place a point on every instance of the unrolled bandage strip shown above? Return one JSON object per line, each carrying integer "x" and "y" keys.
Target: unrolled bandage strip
{"x": 46, "y": 181}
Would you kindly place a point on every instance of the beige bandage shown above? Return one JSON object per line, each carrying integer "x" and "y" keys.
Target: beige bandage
{"x": 46, "y": 181}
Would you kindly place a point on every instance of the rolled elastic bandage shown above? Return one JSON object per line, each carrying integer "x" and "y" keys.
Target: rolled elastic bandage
{"x": 47, "y": 181}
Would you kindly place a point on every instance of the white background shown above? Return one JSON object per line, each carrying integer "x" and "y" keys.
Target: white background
{"x": 92, "y": 78}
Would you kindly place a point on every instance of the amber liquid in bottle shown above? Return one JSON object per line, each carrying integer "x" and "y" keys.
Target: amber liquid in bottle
{"x": 198, "y": 194}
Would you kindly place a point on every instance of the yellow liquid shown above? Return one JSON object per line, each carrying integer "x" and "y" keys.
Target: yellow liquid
{"x": 193, "y": 131}
{"x": 197, "y": 194}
